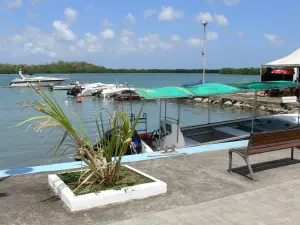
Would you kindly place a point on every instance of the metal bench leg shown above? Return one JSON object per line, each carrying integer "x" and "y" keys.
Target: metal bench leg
{"x": 292, "y": 153}
{"x": 230, "y": 161}
{"x": 249, "y": 166}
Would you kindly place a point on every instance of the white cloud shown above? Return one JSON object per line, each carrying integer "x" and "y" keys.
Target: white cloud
{"x": 34, "y": 1}
{"x": 90, "y": 43}
{"x": 130, "y": 18}
{"x": 204, "y": 16}
{"x": 63, "y": 32}
{"x": 106, "y": 23}
{"x": 13, "y": 4}
{"x": 272, "y": 38}
{"x": 81, "y": 43}
{"x": 146, "y": 44}
{"x": 31, "y": 15}
{"x": 90, "y": 38}
{"x": 149, "y": 12}
{"x": 51, "y": 54}
{"x": 211, "y": 36}
{"x": 95, "y": 48}
{"x": 221, "y": 19}
{"x": 210, "y": 18}
{"x": 32, "y": 41}
{"x": 127, "y": 33}
{"x": 194, "y": 42}
{"x": 166, "y": 46}
{"x": 231, "y": 2}
{"x": 17, "y": 38}
{"x": 108, "y": 34}
{"x": 72, "y": 48}
{"x": 168, "y": 14}
{"x": 28, "y": 45}
{"x": 175, "y": 38}
{"x": 125, "y": 40}
{"x": 70, "y": 14}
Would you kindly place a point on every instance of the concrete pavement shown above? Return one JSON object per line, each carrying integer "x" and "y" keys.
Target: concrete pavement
{"x": 200, "y": 191}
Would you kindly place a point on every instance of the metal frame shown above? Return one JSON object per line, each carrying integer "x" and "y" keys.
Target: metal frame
{"x": 244, "y": 156}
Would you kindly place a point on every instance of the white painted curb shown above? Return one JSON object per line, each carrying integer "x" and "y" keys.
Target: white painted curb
{"x": 88, "y": 201}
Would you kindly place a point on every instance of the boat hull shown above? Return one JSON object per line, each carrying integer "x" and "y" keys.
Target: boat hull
{"x": 36, "y": 83}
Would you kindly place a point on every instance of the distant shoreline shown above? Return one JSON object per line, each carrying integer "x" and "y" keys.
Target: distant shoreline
{"x": 84, "y": 67}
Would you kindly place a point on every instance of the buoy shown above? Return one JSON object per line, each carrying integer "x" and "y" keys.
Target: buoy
{"x": 79, "y": 98}
{"x": 1, "y": 86}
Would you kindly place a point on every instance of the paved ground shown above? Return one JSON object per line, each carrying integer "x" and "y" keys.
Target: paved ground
{"x": 200, "y": 191}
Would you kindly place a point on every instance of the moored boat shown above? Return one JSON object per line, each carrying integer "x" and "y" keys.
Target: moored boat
{"x": 28, "y": 80}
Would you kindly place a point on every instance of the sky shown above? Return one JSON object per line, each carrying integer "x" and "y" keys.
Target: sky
{"x": 148, "y": 34}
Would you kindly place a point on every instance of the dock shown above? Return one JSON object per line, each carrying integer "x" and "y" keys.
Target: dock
{"x": 200, "y": 191}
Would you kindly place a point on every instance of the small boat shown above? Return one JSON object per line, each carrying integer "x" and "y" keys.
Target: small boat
{"x": 91, "y": 89}
{"x": 127, "y": 95}
{"x": 28, "y": 80}
{"x": 67, "y": 87}
{"x": 114, "y": 91}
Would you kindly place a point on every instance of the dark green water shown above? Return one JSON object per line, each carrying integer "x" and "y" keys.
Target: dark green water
{"x": 20, "y": 148}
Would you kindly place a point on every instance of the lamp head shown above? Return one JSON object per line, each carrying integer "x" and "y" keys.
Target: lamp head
{"x": 204, "y": 22}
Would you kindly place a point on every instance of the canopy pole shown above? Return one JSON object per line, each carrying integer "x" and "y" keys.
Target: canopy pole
{"x": 159, "y": 142}
{"x": 165, "y": 110}
{"x": 254, "y": 111}
{"x": 261, "y": 72}
{"x": 298, "y": 111}
{"x": 208, "y": 110}
{"x": 178, "y": 120}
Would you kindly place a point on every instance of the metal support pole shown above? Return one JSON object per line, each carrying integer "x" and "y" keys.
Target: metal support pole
{"x": 208, "y": 110}
{"x": 204, "y": 53}
{"x": 178, "y": 120}
{"x": 159, "y": 124}
{"x": 165, "y": 110}
{"x": 254, "y": 111}
{"x": 298, "y": 111}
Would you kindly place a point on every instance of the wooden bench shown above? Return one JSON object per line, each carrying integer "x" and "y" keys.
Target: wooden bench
{"x": 267, "y": 142}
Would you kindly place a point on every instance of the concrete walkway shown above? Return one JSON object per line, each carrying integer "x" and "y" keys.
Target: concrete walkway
{"x": 278, "y": 204}
{"x": 200, "y": 191}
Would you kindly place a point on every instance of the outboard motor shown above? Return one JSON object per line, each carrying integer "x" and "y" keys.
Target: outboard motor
{"x": 51, "y": 87}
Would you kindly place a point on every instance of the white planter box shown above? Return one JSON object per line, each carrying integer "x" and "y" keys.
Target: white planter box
{"x": 88, "y": 201}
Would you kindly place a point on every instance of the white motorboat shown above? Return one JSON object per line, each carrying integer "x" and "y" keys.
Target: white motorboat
{"x": 28, "y": 80}
{"x": 91, "y": 89}
{"x": 111, "y": 92}
{"x": 67, "y": 87}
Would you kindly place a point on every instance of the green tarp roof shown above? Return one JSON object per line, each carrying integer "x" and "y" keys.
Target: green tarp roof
{"x": 212, "y": 89}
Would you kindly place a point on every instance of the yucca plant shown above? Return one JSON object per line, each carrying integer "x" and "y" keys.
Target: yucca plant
{"x": 103, "y": 160}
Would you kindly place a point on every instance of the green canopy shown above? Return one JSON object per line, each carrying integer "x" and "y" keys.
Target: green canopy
{"x": 259, "y": 86}
{"x": 212, "y": 89}
{"x": 209, "y": 89}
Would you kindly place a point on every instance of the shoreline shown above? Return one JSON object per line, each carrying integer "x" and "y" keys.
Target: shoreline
{"x": 245, "y": 101}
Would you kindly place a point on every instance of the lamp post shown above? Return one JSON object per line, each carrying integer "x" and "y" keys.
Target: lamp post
{"x": 204, "y": 22}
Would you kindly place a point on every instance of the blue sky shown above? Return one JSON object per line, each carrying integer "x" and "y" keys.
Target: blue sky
{"x": 148, "y": 34}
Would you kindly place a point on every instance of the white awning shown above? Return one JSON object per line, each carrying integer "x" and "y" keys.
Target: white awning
{"x": 292, "y": 60}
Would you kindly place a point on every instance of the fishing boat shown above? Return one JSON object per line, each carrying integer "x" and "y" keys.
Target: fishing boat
{"x": 114, "y": 91}
{"x": 28, "y": 80}
{"x": 126, "y": 95}
{"x": 91, "y": 89}
{"x": 218, "y": 135}
{"x": 66, "y": 87}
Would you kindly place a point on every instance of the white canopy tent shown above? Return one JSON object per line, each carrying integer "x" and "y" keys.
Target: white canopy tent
{"x": 292, "y": 60}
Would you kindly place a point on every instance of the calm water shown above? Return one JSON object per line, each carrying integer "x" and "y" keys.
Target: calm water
{"x": 21, "y": 147}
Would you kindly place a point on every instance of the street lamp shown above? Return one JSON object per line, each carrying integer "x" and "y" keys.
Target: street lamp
{"x": 204, "y": 22}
